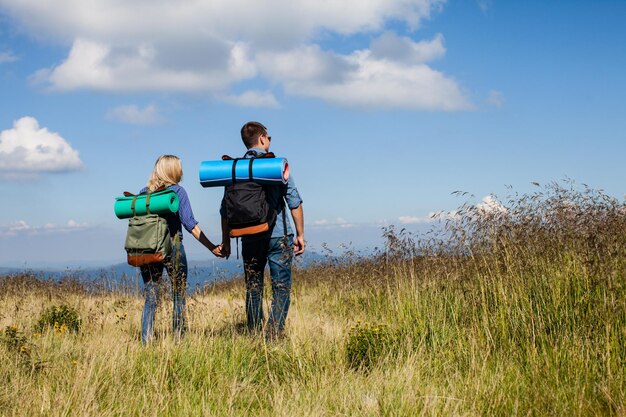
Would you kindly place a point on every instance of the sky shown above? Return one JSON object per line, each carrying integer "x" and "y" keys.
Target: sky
{"x": 383, "y": 108}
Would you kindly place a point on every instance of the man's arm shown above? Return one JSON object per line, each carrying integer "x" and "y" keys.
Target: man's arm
{"x": 225, "y": 238}
{"x": 298, "y": 220}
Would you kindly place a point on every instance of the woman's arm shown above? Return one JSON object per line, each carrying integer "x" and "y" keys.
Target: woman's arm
{"x": 202, "y": 238}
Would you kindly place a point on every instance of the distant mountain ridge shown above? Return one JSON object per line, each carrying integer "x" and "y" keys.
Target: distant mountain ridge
{"x": 200, "y": 272}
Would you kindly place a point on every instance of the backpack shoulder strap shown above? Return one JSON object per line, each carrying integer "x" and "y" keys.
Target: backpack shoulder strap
{"x": 282, "y": 199}
{"x": 265, "y": 155}
{"x": 254, "y": 154}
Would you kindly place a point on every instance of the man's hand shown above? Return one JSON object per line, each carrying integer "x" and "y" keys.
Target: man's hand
{"x": 225, "y": 238}
{"x": 225, "y": 249}
{"x": 298, "y": 245}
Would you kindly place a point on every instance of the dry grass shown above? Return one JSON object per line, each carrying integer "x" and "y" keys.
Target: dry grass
{"x": 518, "y": 310}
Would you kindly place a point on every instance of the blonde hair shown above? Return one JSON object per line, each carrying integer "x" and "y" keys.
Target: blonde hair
{"x": 167, "y": 171}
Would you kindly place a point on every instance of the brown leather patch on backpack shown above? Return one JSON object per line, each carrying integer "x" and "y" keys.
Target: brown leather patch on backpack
{"x": 250, "y": 230}
{"x": 144, "y": 259}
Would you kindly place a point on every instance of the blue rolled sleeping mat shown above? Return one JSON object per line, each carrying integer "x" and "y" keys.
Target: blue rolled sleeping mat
{"x": 260, "y": 170}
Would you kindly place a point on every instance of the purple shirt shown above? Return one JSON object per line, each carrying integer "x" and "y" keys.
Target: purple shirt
{"x": 184, "y": 216}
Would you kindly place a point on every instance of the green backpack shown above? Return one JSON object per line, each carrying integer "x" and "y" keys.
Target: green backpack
{"x": 147, "y": 238}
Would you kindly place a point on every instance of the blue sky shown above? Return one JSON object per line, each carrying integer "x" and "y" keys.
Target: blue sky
{"x": 383, "y": 108}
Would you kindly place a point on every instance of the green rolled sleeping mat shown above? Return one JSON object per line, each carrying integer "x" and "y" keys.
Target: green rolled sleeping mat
{"x": 160, "y": 202}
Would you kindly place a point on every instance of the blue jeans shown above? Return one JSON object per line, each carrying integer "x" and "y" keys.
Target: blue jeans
{"x": 176, "y": 268}
{"x": 278, "y": 252}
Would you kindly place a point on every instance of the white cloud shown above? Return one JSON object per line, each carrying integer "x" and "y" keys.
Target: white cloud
{"x": 308, "y": 63}
{"x": 343, "y": 223}
{"x": 7, "y": 56}
{"x": 484, "y": 5}
{"x": 193, "y": 46}
{"x": 382, "y": 78}
{"x": 29, "y": 149}
{"x": 135, "y": 115}
{"x": 339, "y": 222}
{"x": 269, "y": 22}
{"x": 16, "y": 227}
{"x": 403, "y": 49}
{"x": 102, "y": 66}
{"x": 430, "y": 218}
{"x": 490, "y": 204}
{"x": 413, "y": 220}
{"x": 495, "y": 98}
{"x": 21, "y": 227}
{"x": 253, "y": 99}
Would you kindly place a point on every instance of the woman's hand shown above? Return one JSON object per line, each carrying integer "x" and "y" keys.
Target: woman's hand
{"x": 218, "y": 251}
{"x": 215, "y": 250}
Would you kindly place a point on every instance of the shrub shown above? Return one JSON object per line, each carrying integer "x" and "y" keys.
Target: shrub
{"x": 62, "y": 318}
{"x": 18, "y": 346}
{"x": 13, "y": 340}
{"x": 366, "y": 344}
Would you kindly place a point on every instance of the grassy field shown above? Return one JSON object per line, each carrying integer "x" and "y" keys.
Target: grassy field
{"x": 511, "y": 310}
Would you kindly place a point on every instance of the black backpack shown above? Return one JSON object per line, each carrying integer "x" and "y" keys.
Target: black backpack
{"x": 245, "y": 202}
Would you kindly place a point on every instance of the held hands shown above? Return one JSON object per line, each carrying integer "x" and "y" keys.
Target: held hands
{"x": 216, "y": 250}
{"x": 219, "y": 251}
{"x": 224, "y": 250}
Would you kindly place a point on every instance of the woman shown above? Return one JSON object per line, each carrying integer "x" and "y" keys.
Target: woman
{"x": 167, "y": 173}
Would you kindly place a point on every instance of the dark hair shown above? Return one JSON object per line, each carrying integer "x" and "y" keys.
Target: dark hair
{"x": 250, "y": 133}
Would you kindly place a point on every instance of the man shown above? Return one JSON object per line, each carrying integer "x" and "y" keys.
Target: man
{"x": 278, "y": 246}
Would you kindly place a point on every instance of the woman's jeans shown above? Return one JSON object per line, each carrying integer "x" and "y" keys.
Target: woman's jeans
{"x": 176, "y": 268}
{"x": 256, "y": 254}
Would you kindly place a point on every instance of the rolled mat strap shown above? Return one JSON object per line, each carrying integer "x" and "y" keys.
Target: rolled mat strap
{"x": 132, "y": 205}
{"x": 234, "y": 171}
{"x": 148, "y": 202}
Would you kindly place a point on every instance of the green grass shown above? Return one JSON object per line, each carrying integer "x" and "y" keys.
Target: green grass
{"x": 520, "y": 312}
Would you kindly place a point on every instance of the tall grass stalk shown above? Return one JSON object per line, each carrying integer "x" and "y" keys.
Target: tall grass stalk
{"x": 516, "y": 308}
